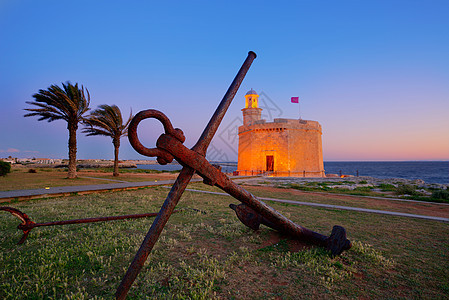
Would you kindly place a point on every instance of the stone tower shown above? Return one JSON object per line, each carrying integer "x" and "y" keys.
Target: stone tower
{"x": 251, "y": 112}
{"x": 284, "y": 147}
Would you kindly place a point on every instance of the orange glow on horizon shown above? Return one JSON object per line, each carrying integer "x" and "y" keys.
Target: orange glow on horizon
{"x": 382, "y": 146}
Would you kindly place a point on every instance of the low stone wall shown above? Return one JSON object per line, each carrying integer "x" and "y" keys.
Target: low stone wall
{"x": 306, "y": 174}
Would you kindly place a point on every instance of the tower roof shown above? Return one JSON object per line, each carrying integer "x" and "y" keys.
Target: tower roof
{"x": 251, "y": 92}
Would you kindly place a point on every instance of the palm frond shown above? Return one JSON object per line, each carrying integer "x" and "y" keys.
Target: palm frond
{"x": 45, "y": 109}
{"x": 68, "y": 103}
{"x": 106, "y": 120}
{"x": 126, "y": 125}
{"x": 89, "y": 131}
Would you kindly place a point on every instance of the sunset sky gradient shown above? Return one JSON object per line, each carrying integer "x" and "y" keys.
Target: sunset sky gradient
{"x": 375, "y": 74}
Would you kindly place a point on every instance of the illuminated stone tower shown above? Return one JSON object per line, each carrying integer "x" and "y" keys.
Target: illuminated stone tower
{"x": 284, "y": 147}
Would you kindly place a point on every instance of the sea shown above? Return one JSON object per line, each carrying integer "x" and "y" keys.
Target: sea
{"x": 429, "y": 171}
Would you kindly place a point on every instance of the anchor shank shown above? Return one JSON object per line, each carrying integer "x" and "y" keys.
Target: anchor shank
{"x": 215, "y": 120}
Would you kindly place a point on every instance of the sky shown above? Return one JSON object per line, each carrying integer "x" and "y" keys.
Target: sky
{"x": 375, "y": 74}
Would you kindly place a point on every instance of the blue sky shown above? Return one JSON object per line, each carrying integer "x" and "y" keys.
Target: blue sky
{"x": 375, "y": 74}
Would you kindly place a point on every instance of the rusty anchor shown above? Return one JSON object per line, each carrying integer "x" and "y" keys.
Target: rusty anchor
{"x": 252, "y": 212}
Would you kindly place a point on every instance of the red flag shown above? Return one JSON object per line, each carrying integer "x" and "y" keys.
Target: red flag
{"x": 295, "y": 99}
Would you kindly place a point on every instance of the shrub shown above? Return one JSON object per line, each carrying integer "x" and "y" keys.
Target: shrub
{"x": 5, "y": 168}
{"x": 385, "y": 187}
{"x": 363, "y": 182}
{"x": 441, "y": 194}
{"x": 406, "y": 189}
{"x": 300, "y": 187}
{"x": 363, "y": 188}
{"x": 32, "y": 171}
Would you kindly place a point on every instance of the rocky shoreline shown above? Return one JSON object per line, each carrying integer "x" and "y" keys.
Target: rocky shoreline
{"x": 350, "y": 182}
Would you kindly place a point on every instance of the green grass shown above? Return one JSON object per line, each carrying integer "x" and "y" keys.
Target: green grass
{"x": 213, "y": 255}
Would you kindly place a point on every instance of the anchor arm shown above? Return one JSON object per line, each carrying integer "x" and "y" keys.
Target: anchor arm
{"x": 27, "y": 224}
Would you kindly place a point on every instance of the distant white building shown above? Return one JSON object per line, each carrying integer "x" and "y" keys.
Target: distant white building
{"x": 23, "y": 160}
{"x": 47, "y": 161}
{"x": 10, "y": 160}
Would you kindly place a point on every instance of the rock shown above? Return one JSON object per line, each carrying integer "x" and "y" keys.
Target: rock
{"x": 342, "y": 186}
{"x": 332, "y": 175}
{"x": 424, "y": 192}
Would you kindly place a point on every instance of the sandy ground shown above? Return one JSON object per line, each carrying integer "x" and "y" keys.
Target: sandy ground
{"x": 124, "y": 176}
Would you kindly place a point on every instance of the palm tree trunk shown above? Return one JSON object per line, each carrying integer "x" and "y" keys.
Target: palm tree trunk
{"x": 72, "y": 149}
{"x": 116, "y": 142}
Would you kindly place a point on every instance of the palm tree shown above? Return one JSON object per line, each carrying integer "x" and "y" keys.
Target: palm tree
{"x": 69, "y": 104}
{"x": 107, "y": 120}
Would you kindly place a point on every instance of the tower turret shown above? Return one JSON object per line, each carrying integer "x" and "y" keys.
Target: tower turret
{"x": 251, "y": 112}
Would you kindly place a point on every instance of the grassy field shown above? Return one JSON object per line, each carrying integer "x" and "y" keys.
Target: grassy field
{"x": 213, "y": 255}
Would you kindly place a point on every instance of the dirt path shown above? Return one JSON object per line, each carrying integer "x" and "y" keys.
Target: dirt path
{"x": 422, "y": 208}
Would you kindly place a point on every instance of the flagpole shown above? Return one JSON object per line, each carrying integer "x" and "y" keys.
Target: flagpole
{"x": 296, "y": 100}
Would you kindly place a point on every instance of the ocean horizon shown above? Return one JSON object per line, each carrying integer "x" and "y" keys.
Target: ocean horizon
{"x": 429, "y": 171}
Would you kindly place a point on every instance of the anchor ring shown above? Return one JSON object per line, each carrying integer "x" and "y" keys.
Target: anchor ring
{"x": 163, "y": 156}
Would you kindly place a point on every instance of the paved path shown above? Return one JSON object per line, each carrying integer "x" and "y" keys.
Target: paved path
{"x": 82, "y": 189}
{"x": 98, "y": 178}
